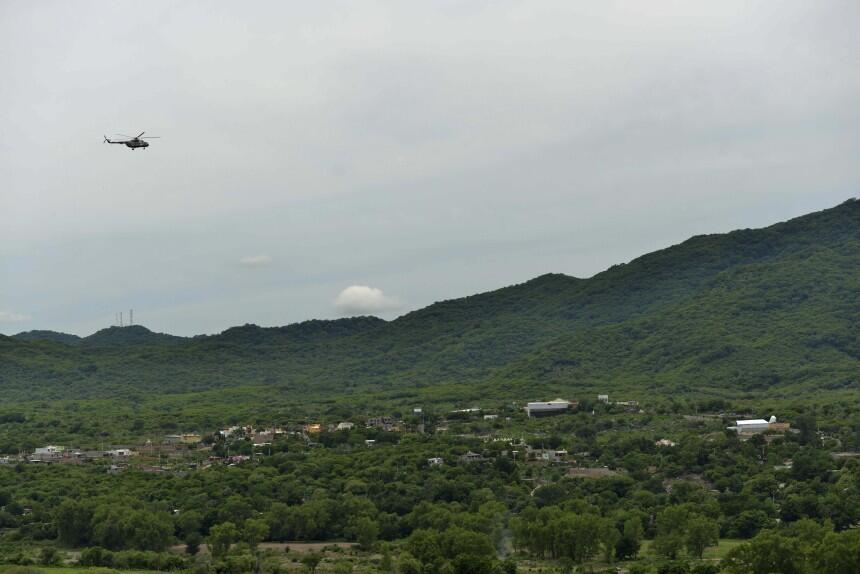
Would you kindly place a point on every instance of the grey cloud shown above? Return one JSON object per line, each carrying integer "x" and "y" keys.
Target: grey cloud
{"x": 436, "y": 149}
{"x": 261, "y": 260}
{"x": 12, "y": 317}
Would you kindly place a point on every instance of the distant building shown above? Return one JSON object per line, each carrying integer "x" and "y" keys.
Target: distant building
{"x": 751, "y": 426}
{"x": 369, "y": 442}
{"x": 121, "y": 453}
{"x": 345, "y": 426}
{"x": 602, "y": 398}
{"x": 313, "y": 428}
{"x": 490, "y": 417}
{"x": 554, "y": 455}
{"x": 471, "y": 457}
{"x": 542, "y": 409}
{"x": 227, "y": 432}
{"x": 435, "y": 461}
{"x": 664, "y": 442}
{"x": 262, "y": 438}
{"x": 50, "y": 453}
{"x": 384, "y": 423}
{"x": 417, "y": 411}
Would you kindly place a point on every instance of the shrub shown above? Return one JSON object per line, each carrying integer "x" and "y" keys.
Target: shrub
{"x": 49, "y": 556}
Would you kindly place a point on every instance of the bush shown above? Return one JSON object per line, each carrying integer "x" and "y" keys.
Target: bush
{"x": 96, "y": 556}
{"x": 49, "y": 556}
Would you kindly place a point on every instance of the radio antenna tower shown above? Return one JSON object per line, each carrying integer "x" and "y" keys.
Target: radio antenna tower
{"x": 130, "y": 317}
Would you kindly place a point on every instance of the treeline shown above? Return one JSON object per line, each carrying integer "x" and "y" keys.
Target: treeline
{"x": 114, "y": 525}
{"x": 805, "y": 547}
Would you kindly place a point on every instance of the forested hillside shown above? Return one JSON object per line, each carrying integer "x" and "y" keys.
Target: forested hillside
{"x": 772, "y": 308}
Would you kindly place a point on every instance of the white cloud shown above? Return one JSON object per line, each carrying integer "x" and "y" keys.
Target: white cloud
{"x": 10, "y": 317}
{"x": 261, "y": 260}
{"x": 364, "y": 300}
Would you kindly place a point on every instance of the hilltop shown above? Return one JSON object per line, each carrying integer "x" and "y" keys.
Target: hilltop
{"x": 773, "y": 308}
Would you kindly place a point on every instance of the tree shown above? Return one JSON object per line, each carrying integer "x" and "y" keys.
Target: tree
{"x": 408, "y": 564}
{"x": 473, "y": 564}
{"x": 49, "y": 556}
{"x": 254, "y": 531}
{"x": 670, "y": 531}
{"x": 221, "y": 536}
{"x": 748, "y": 523}
{"x": 192, "y": 543}
{"x": 188, "y": 521}
{"x": 609, "y": 538}
{"x": 701, "y": 533}
{"x": 669, "y": 544}
{"x": 73, "y": 523}
{"x": 810, "y": 463}
{"x": 576, "y": 536}
{"x": 111, "y": 526}
{"x": 366, "y": 532}
{"x": 424, "y": 545}
{"x": 767, "y": 553}
{"x": 631, "y": 539}
{"x": 149, "y": 530}
{"x": 838, "y": 553}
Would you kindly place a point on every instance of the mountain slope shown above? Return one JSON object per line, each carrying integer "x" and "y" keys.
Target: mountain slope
{"x": 749, "y": 309}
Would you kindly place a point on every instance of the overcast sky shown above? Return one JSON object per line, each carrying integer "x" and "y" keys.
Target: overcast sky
{"x": 320, "y": 159}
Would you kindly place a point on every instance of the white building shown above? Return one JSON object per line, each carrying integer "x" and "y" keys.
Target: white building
{"x": 547, "y": 408}
{"x": 121, "y": 452}
{"x": 751, "y": 426}
{"x": 554, "y": 455}
{"x": 345, "y": 426}
{"x": 436, "y": 461}
{"x": 490, "y": 417}
{"x": 602, "y": 398}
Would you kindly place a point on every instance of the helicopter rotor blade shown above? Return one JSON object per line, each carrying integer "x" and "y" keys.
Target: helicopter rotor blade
{"x": 151, "y": 138}
{"x": 140, "y": 134}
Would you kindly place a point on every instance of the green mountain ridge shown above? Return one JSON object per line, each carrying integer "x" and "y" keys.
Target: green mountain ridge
{"x": 772, "y": 308}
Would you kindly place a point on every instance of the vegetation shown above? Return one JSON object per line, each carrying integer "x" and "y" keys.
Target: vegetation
{"x": 753, "y": 322}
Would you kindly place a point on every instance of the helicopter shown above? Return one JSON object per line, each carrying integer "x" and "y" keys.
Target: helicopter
{"x": 133, "y": 143}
